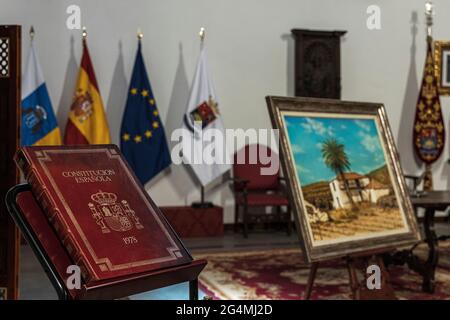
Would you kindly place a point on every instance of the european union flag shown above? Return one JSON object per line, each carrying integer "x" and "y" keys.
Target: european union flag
{"x": 142, "y": 138}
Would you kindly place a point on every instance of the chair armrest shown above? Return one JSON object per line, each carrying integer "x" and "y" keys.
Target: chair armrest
{"x": 283, "y": 186}
{"x": 240, "y": 182}
{"x": 415, "y": 179}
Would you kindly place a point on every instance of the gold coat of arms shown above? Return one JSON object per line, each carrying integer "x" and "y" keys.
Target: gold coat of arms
{"x": 110, "y": 215}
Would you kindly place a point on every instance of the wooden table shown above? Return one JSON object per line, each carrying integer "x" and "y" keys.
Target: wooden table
{"x": 431, "y": 201}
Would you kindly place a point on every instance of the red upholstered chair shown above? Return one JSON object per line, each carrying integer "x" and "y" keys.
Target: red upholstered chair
{"x": 252, "y": 189}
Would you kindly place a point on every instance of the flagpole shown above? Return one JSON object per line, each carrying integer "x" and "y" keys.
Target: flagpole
{"x": 202, "y": 204}
{"x": 84, "y": 33}
{"x": 32, "y": 33}
{"x": 140, "y": 35}
{"x": 202, "y": 34}
{"x": 429, "y": 12}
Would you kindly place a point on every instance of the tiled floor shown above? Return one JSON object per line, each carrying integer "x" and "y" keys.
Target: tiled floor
{"x": 35, "y": 285}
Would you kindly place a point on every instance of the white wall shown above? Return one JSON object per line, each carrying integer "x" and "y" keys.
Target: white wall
{"x": 250, "y": 54}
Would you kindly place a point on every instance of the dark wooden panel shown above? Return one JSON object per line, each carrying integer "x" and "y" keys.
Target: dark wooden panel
{"x": 317, "y": 63}
{"x": 10, "y": 75}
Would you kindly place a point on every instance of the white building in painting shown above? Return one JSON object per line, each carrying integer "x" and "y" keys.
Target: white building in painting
{"x": 362, "y": 188}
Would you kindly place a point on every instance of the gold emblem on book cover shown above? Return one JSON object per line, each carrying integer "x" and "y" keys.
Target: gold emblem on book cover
{"x": 110, "y": 215}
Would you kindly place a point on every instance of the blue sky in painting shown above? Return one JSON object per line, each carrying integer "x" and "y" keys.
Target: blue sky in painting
{"x": 359, "y": 136}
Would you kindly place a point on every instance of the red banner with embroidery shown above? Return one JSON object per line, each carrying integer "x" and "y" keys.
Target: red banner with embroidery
{"x": 429, "y": 130}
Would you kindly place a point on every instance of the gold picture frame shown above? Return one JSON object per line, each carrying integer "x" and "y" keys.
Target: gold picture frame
{"x": 362, "y": 206}
{"x": 442, "y": 66}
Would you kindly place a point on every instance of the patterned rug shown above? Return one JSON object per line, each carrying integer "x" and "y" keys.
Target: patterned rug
{"x": 281, "y": 274}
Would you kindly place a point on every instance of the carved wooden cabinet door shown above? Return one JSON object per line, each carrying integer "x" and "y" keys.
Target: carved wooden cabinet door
{"x": 10, "y": 74}
{"x": 318, "y": 63}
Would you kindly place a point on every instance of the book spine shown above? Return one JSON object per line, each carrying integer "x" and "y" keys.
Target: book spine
{"x": 44, "y": 198}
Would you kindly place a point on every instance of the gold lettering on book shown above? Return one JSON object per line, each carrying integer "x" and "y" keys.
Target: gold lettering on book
{"x": 130, "y": 240}
{"x": 110, "y": 215}
{"x": 92, "y": 179}
{"x": 87, "y": 176}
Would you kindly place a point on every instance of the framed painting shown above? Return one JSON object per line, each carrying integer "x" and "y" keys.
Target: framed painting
{"x": 442, "y": 66}
{"x": 346, "y": 185}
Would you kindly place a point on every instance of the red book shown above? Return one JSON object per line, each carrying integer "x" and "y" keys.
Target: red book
{"x": 101, "y": 213}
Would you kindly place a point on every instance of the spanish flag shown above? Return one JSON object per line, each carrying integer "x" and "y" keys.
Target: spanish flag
{"x": 87, "y": 122}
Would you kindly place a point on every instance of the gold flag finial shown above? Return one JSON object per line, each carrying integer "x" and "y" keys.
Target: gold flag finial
{"x": 140, "y": 35}
{"x": 202, "y": 34}
{"x": 84, "y": 33}
{"x": 31, "y": 32}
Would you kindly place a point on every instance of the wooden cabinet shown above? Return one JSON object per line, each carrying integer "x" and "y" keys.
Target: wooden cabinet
{"x": 318, "y": 63}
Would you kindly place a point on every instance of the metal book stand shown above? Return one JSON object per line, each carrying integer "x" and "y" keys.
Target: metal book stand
{"x": 19, "y": 198}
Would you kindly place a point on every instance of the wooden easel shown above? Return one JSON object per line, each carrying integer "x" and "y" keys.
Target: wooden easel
{"x": 358, "y": 288}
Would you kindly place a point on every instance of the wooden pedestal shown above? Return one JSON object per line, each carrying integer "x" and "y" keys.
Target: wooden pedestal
{"x": 195, "y": 222}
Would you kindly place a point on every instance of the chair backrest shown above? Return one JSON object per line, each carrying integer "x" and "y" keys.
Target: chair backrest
{"x": 248, "y": 163}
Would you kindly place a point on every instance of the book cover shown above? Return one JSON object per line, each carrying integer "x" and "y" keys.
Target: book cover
{"x": 105, "y": 219}
{"x": 48, "y": 240}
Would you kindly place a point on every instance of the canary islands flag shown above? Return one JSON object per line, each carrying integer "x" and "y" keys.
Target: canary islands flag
{"x": 87, "y": 122}
{"x": 39, "y": 126}
{"x": 142, "y": 137}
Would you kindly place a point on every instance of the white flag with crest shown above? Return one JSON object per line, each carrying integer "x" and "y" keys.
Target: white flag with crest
{"x": 204, "y": 148}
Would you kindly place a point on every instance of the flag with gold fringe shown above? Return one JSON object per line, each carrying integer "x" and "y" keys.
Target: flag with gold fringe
{"x": 429, "y": 130}
{"x": 87, "y": 122}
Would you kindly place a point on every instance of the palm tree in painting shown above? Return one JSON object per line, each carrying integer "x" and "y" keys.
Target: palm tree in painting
{"x": 336, "y": 159}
